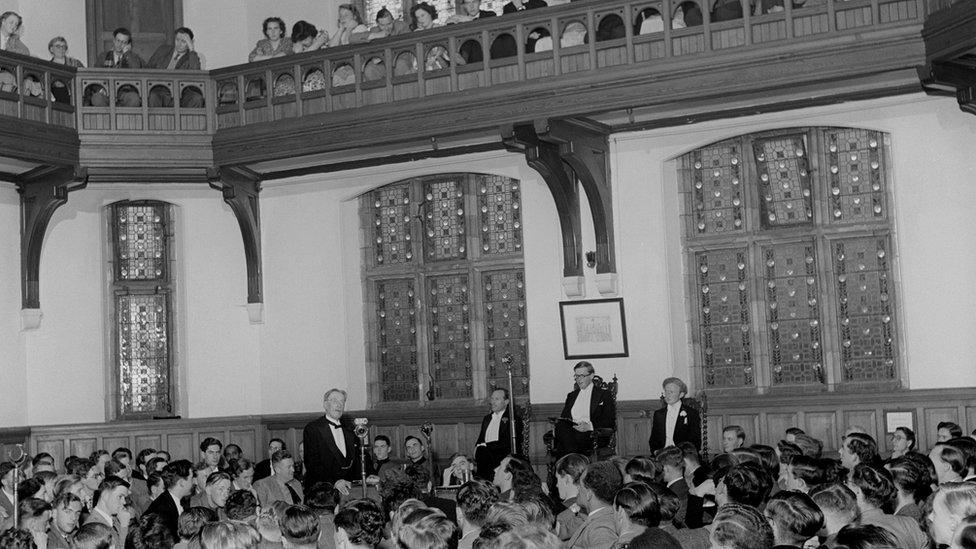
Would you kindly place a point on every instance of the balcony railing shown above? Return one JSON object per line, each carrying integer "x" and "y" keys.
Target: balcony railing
{"x": 531, "y": 46}
{"x": 35, "y": 90}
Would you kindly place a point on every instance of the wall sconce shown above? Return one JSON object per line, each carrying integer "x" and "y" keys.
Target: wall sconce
{"x": 590, "y": 259}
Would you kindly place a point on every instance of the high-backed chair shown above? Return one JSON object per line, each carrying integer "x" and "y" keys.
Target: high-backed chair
{"x": 699, "y": 403}
{"x": 605, "y": 439}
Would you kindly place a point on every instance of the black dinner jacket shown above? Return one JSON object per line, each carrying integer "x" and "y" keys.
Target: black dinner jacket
{"x": 602, "y": 409}
{"x": 190, "y": 61}
{"x": 130, "y": 60}
{"x": 323, "y": 461}
{"x": 688, "y": 428}
{"x": 165, "y": 507}
{"x": 504, "y": 443}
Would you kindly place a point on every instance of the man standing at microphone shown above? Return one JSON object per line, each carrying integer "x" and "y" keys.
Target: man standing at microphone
{"x": 331, "y": 451}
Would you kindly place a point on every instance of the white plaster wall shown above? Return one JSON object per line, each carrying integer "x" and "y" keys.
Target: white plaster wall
{"x": 13, "y": 393}
{"x": 217, "y": 351}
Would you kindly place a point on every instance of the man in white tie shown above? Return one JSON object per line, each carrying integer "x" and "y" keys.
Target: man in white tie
{"x": 587, "y": 408}
{"x": 495, "y": 438}
{"x": 331, "y": 451}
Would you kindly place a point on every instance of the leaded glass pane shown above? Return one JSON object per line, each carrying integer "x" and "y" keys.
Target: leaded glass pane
{"x": 143, "y": 353}
{"x": 855, "y": 161}
{"x": 792, "y": 289}
{"x": 501, "y": 214}
{"x": 784, "y": 181}
{"x": 395, "y": 7}
{"x": 724, "y": 318}
{"x": 444, "y": 219}
{"x": 449, "y": 335}
{"x": 140, "y": 242}
{"x": 713, "y": 178}
{"x": 396, "y": 313}
{"x": 506, "y": 335}
{"x": 392, "y": 243}
{"x": 865, "y": 308}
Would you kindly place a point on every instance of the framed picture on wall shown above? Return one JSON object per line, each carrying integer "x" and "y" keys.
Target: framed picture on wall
{"x": 593, "y": 328}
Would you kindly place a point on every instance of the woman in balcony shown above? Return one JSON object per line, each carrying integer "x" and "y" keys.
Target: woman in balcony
{"x": 274, "y": 43}
{"x": 305, "y": 37}
{"x": 58, "y": 46}
{"x": 422, "y": 17}
{"x": 350, "y": 22}
{"x": 10, "y": 22}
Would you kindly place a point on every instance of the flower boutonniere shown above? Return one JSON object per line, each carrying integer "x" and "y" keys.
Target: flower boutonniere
{"x": 504, "y": 420}
{"x": 684, "y": 416}
{"x": 575, "y": 508}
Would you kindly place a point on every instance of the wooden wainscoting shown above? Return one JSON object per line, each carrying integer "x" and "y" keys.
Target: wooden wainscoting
{"x": 180, "y": 437}
{"x": 764, "y": 418}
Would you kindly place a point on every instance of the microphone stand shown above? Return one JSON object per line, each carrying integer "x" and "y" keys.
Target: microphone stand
{"x": 16, "y": 461}
{"x": 362, "y": 431}
{"x": 507, "y": 361}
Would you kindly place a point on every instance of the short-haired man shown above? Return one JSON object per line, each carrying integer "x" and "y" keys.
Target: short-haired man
{"x": 299, "y": 528}
{"x": 263, "y": 468}
{"x": 124, "y": 455}
{"x": 380, "y": 460}
{"x": 495, "y": 438}
{"x": 331, "y": 450}
{"x": 110, "y": 509}
{"x": 242, "y": 505}
{"x": 858, "y": 448}
{"x": 282, "y": 485}
{"x": 34, "y": 514}
{"x": 7, "y": 484}
{"x": 949, "y": 462}
{"x": 473, "y": 501}
{"x": 386, "y": 26}
{"x": 178, "y": 480}
{"x": 64, "y": 522}
{"x": 598, "y": 485}
{"x": 214, "y": 494}
{"x": 142, "y": 460}
{"x": 179, "y": 56}
{"x": 587, "y": 408}
{"x": 733, "y": 437}
{"x": 120, "y": 56}
{"x": 672, "y": 460}
{"x": 839, "y": 506}
{"x": 569, "y": 469}
{"x": 874, "y": 487}
{"x": 210, "y": 453}
{"x": 946, "y": 430}
{"x": 415, "y": 450}
{"x": 674, "y": 423}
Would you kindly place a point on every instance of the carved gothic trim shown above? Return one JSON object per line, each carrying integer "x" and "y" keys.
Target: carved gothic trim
{"x": 42, "y": 191}
{"x": 240, "y": 188}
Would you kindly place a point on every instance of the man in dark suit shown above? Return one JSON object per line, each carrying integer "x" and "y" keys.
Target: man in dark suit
{"x": 263, "y": 468}
{"x": 597, "y": 487}
{"x": 587, "y": 408}
{"x": 519, "y": 5}
{"x": 179, "y": 56}
{"x": 675, "y": 423}
{"x": 495, "y": 437}
{"x": 331, "y": 451}
{"x": 120, "y": 56}
{"x": 178, "y": 480}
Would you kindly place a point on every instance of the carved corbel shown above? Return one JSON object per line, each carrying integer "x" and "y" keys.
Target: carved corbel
{"x": 544, "y": 157}
{"x": 240, "y": 188}
{"x": 42, "y": 192}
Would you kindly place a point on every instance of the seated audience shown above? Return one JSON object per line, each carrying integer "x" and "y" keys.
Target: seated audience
{"x": 643, "y": 469}
{"x": 913, "y": 485}
{"x": 808, "y": 445}
{"x": 34, "y": 516}
{"x": 96, "y": 535}
{"x": 10, "y": 23}
{"x": 639, "y": 515}
{"x": 947, "y": 430}
{"x": 66, "y": 512}
{"x": 229, "y": 534}
{"x": 150, "y": 532}
{"x": 241, "y": 471}
{"x": 191, "y": 522}
{"x": 30, "y": 488}
{"x": 415, "y": 450}
{"x": 804, "y": 474}
{"x": 739, "y": 526}
{"x": 519, "y": 5}
{"x": 968, "y": 448}
{"x": 142, "y": 460}
{"x": 299, "y": 528}
{"x": 281, "y": 486}
{"x": 433, "y": 531}
{"x": 569, "y": 469}
{"x": 422, "y": 16}
{"x": 120, "y": 56}
{"x": 839, "y": 507}
{"x": 305, "y": 37}
{"x": 748, "y": 484}
{"x": 274, "y": 43}
{"x": 215, "y": 494}
{"x": 858, "y": 448}
{"x": 385, "y": 26}
{"x": 460, "y": 471}
{"x": 180, "y": 56}
{"x": 359, "y": 524}
{"x": 902, "y": 442}
{"x": 953, "y": 502}
{"x": 733, "y": 437}
{"x": 473, "y": 501}
{"x": 322, "y": 499}
{"x": 350, "y": 22}
{"x": 267, "y": 523}
{"x": 14, "y": 538}
{"x": 875, "y": 490}
{"x": 949, "y": 462}
{"x": 598, "y": 485}
{"x": 672, "y": 461}
{"x": 965, "y": 535}
{"x": 515, "y": 479}
{"x": 179, "y": 484}
{"x": 241, "y": 505}
{"x": 232, "y": 451}
{"x": 794, "y": 517}
{"x": 110, "y": 509}
{"x": 58, "y": 47}
{"x": 263, "y": 467}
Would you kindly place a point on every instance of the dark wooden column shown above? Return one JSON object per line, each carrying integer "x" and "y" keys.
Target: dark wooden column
{"x": 240, "y": 188}
{"x": 544, "y": 157}
{"x": 42, "y": 191}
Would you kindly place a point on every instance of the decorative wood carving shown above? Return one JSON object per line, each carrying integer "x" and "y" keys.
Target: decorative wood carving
{"x": 545, "y": 158}
{"x": 42, "y": 191}
{"x": 240, "y": 188}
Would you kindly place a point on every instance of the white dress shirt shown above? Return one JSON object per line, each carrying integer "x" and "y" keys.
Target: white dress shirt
{"x": 581, "y": 408}
{"x": 670, "y": 422}
{"x": 338, "y": 436}
{"x": 491, "y": 433}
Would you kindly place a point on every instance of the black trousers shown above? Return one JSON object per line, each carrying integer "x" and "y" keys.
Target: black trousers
{"x": 571, "y": 441}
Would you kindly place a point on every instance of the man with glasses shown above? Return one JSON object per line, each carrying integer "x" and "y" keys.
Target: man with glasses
{"x": 587, "y": 408}
{"x": 120, "y": 56}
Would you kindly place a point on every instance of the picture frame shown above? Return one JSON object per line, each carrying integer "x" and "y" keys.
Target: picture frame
{"x": 594, "y": 328}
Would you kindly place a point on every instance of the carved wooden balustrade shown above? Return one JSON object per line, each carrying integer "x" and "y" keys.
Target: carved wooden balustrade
{"x": 35, "y": 90}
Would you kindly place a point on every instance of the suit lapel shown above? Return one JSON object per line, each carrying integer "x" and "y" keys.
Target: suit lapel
{"x": 594, "y": 400}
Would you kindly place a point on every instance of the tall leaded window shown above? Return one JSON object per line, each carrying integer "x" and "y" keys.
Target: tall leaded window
{"x": 445, "y": 287}
{"x": 788, "y": 242}
{"x": 142, "y": 308}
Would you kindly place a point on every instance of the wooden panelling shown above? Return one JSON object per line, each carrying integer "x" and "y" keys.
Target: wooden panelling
{"x": 934, "y": 416}
{"x": 776, "y": 424}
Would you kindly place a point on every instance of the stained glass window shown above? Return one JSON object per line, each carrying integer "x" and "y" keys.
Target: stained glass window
{"x": 447, "y": 320}
{"x": 788, "y": 292}
{"x": 142, "y": 308}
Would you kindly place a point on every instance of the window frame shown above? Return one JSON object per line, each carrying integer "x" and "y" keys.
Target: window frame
{"x": 754, "y": 237}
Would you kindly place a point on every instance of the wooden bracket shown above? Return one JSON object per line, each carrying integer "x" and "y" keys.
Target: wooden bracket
{"x": 42, "y": 192}
{"x": 240, "y": 188}
{"x": 544, "y": 157}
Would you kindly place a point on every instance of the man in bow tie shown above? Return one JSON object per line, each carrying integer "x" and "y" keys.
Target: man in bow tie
{"x": 331, "y": 451}
{"x": 674, "y": 423}
{"x": 587, "y": 408}
{"x": 495, "y": 438}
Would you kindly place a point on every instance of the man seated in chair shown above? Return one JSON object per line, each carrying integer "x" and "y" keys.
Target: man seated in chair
{"x": 588, "y": 410}
{"x": 675, "y": 422}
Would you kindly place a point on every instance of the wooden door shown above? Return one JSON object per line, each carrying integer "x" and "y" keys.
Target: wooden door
{"x": 152, "y": 23}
